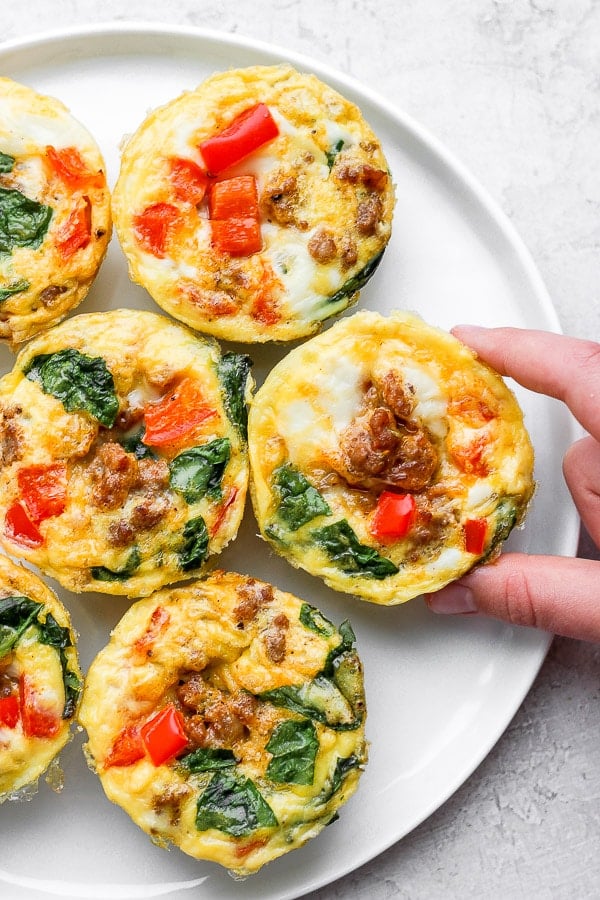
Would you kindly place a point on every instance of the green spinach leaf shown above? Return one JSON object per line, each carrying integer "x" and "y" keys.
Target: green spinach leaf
{"x": 319, "y": 699}
{"x": 208, "y": 759}
{"x": 344, "y": 764}
{"x": 347, "y": 643}
{"x": 59, "y": 637}
{"x": 15, "y": 288}
{"x": 342, "y": 546}
{"x": 294, "y": 746}
{"x": 7, "y": 163}
{"x": 506, "y": 519}
{"x": 195, "y": 544}
{"x": 315, "y": 621}
{"x": 101, "y": 573}
{"x": 234, "y": 370}
{"x": 333, "y": 152}
{"x": 134, "y": 444}
{"x": 356, "y": 282}
{"x": 234, "y": 806}
{"x": 80, "y": 382}
{"x": 200, "y": 470}
{"x": 299, "y": 501}
{"x": 16, "y": 615}
{"x": 23, "y": 222}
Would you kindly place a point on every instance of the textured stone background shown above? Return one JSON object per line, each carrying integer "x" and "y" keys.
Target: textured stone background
{"x": 512, "y": 88}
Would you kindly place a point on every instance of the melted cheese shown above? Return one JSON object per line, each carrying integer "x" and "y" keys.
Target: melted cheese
{"x": 24, "y": 758}
{"x": 29, "y": 124}
{"x": 314, "y": 412}
{"x": 203, "y": 634}
{"x": 147, "y": 356}
{"x": 194, "y": 281}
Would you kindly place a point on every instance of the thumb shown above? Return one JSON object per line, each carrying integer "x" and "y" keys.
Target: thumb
{"x": 556, "y": 594}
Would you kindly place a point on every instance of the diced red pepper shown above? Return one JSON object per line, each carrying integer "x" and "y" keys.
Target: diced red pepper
{"x": 69, "y": 165}
{"x": 19, "y": 528}
{"x": 164, "y": 735}
{"x": 234, "y": 198}
{"x": 158, "y": 622}
{"x": 475, "y": 534}
{"x": 43, "y": 490}
{"x": 127, "y": 748}
{"x": 248, "y": 131}
{"x": 223, "y": 511}
{"x": 238, "y": 237}
{"x": 38, "y": 719}
{"x": 189, "y": 180}
{"x": 10, "y": 712}
{"x": 76, "y": 232}
{"x": 154, "y": 225}
{"x": 394, "y": 516}
{"x": 176, "y": 414}
{"x": 471, "y": 459}
{"x": 243, "y": 850}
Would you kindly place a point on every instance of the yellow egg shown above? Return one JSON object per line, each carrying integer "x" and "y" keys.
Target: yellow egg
{"x": 278, "y": 240}
{"x": 55, "y": 219}
{"x": 124, "y": 463}
{"x": 386, "y": 458}
{"x": 40, "y": 681}
{"x": 227, "y": 718}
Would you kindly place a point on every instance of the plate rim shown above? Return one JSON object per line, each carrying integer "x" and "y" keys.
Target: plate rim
{"x": 492, "y": 209}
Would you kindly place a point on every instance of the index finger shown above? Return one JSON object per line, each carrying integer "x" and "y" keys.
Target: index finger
{"x": 562, "y": 367}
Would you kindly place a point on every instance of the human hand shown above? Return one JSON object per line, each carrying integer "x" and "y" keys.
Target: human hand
{"x": 556, "y": 594}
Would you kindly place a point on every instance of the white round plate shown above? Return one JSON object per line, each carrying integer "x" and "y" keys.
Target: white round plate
{"x": 440, "y": 690}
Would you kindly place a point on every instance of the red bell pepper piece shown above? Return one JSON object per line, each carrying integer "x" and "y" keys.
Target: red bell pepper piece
{"x": 234, "y": 216}
{"x": 19, "y": 528}
{"x": 154, "y": 225}
{"x": 76, "y": 232}
{"x": 475, "y": 531}
{"x": 10, "y": 712}
{"x": 38, "y": 720}
{"x": 127, "y": 748}
{"x": 238, "y": 237}
{"x": 471, "y": 459}
{"x": 176, "y": 414}
{"x": 248, "y": 131}
{"x": 164, "y": 735}
{"x": 234, "y": 198}
{"x": 189, "y": 181}
{"x": 223, "y": 511}
{"x": 158, "y": 622}
{"x": 69, "y": 165}
{"x": 394, "y": 516}
{"x": 43, "y": 490}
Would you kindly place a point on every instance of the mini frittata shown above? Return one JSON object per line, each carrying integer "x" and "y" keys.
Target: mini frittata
{"x": 55, "y": 218}
{"x": 227, "y": 718}
{"x": 40, "y": 680}
{"x": 255, "y": 206}
{"x": 123, "y": 452}
{"x": 386, "y": 458}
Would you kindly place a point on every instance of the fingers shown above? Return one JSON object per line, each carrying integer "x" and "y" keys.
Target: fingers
{"x": 556, "y": 594}
{"x": 562, "y": 367}
{"x": 581, "y": 468}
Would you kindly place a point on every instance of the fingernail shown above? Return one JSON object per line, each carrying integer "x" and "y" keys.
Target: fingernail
{"x": 452, "y": 600}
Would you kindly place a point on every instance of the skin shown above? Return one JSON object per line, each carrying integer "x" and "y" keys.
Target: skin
{"x": 555, "y": 594}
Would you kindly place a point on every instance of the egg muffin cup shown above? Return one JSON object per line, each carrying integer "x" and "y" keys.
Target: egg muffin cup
{"x": 124, "y": 461}
{"x": 55, "y": 217}
{"x": 266, "y": 207}
{"x": 227, "y": 718}
{"x": 386, "y": 458}
{"x": 40, "y": 680}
